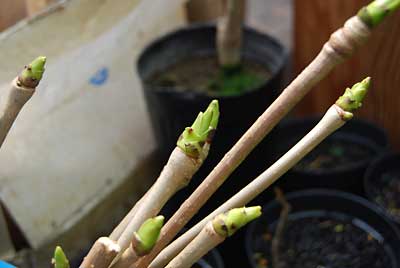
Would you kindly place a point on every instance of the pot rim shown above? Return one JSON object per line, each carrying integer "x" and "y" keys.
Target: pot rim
{"x": 274, "y": 72}
{"x": 217, "y": 257}
{"x": 342, "y": 169}
{"x": 369, "y": 174}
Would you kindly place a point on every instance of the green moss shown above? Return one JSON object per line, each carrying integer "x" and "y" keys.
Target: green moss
{"x": 234, "y": 81}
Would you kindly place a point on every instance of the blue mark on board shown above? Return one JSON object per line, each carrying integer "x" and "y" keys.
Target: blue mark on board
{"x": 99, "y": 78}
{"x": 3, "y": 264}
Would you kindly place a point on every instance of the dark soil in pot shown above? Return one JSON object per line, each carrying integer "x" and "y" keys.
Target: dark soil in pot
{"x": 339, "y": 162}
{"x": 325, "y": 229}
{"x": 203, "y": 75}
{"x": 382, "y": 184}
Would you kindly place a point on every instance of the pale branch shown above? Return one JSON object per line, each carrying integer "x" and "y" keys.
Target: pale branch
{"x": 101, "y": 254}
{"x": 116, "y": 233}
{"x": 334, "y": 118}
{"x": 214, "y": 233}
{"x": 14, "y": 97}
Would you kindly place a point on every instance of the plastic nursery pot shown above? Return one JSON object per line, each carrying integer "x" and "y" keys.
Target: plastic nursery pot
{"x": 325, "y": 228}
{"x": 172, "y": 107}
{"x": 211, "y": 260}
{"x": 382, "y": 184}
{"x": 339, "y": 162}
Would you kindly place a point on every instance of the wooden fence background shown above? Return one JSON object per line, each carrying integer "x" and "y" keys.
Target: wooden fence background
{"x": 315, "y": 20}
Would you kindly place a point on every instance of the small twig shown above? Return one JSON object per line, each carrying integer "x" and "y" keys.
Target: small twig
{"x": 213, "y": 234}
{"x": 280, "y": 228}
{"x": 116, "y": 233}
{"x": 102, "y": 253}
{"x": 335, "y": 117}
{"x": 14, "y": 97}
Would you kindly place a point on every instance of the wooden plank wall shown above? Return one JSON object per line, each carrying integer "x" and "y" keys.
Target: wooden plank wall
{"x": 12, "y": 11}
{"x": 315, "y": 20}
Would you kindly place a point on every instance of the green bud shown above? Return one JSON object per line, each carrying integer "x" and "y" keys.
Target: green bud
{"x": 60, "y": 260}
{"x": 193, "y": 138}
{"x": 33, "y": 73}
{"x": 353, "y": 97}
{"x": 377, "y": 11}
{"x": 146, "y": 237}
{"x": 228, "y": 223}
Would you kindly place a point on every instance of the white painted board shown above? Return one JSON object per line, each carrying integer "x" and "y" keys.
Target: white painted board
{"x": 86, "y": 127}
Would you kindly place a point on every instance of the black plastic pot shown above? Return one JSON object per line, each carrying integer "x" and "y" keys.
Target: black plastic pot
{"x": 328, "y": 204}
{"x": 373, "y": 180}
{"x": 345, "y": 176}
{"x": 211, "y": 260}
{"x": 173, "y": 109}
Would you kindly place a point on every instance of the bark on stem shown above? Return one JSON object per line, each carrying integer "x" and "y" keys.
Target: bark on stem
{"x": 332, "y": 120}
{"x": 176, "y": 174}
{"x": 102, "y": 253}
{"x": 340, "y": 46}
{"x": 229, "y": 35}
{"x": 206, "y": 240}
{"x": 12, "y": 100}
{"x": 116, "y": 233}
{"x": 214, "y": 233}
{"x": 20, "y": 91}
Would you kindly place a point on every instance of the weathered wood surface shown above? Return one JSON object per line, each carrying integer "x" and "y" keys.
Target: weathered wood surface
{"x": 35, "y": 6}
{"x": 315, "y": 20}
{"x": 11, "y": 11}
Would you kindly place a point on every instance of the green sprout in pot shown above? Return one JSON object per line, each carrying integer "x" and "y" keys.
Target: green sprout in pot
{"x": 231, "y": 82}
